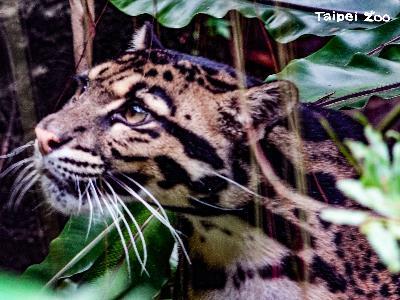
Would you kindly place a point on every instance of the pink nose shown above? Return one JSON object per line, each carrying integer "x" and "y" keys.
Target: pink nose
{"x": 47, "y": 140}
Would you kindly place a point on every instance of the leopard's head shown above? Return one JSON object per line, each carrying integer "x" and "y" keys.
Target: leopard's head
{"x": 155, "y": 121}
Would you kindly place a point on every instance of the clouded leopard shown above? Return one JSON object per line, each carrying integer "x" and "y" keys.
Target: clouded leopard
{"x": 175, "y": 126}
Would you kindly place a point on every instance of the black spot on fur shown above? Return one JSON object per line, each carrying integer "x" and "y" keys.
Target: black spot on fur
{"x": 335, "y": 281}
{"x": 277, "y": 227}
{"x": 188, "y": 71}
{"x": 210, "y": 71}
{"x": 205, "y": 277}
{"x": 266, "y": 272}
{"x": 185, "y": 226}
{"x": 153, "y": 134}
{"x": 138, "y": 140}
{"x": 151, "y": 73}
{"x": 320, "y": 186}
{"x": 131, "y": 95}
{"x": 168, "y": 76}
{"x": 158, "y": 58}
{"x": 226, "y": 231}
{"x": 195, "y": 146}
{"x": 348, "y": 268}
{"x": 294, "y": 268}
{"x": 240, "y": 156}
{"x": 80, "y": 129}
{"x": 338, "y": 238}
{"x": 207, "y": 225}
{"x": 236, "y": 281}
{"x": 163, "y": 95}
{"x": 384, "y": 290}
{"x": 127, "y": 158}
{"x": 240, "y": 273}
{"x": 188, "y": 117}
{"x": 324, "y": 223}
{"x": 175, "y": 174}
{"x": 219, "y": 86}
{"x": 200, "y": 81}
{"x": 380, "y": 266}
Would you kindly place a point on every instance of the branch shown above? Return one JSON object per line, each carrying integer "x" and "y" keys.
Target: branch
{"x": 381, "y": 46}
{"x": 322, "y": 102}
{"x": 83, "y": 29}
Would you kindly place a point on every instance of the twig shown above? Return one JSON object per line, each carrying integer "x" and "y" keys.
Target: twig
{"x": 68, "y": 84}
{"x": 389, "y": 119}
{"x": 381, "y": 46}
{"x": 269, "y": 46}
{"x": 334, "y": 101}
{"x": 82, "y": 15}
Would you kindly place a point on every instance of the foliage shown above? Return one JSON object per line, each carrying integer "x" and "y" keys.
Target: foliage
{"x": 283, "y": 24}
{"x": 87, "y": 266}
{"x": 378, "y": 188}
{"x": 219, "y": 27}
{"x": 348, "y": 64}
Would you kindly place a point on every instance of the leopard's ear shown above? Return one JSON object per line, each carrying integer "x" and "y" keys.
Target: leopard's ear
{"x": 144, "y": 38}
{"x": 269, "y": 103}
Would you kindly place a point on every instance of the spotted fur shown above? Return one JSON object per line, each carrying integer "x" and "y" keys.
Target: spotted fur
{"x": 175, "y": 123}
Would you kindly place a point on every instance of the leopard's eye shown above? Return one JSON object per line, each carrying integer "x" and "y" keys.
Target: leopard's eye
{"x": 136, "y": 115}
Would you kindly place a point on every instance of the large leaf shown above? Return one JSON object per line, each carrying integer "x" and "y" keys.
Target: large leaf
{"x": 100, "y": 258}
{"x": 72, "y": 252}
{"x": 141, "y": 285}
{"x": 284, "y": 24}
{"x": 346, "y": 66}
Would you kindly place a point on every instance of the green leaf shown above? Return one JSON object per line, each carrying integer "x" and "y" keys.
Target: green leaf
{"x": 344, "y": 216}
{"x": 343, "y": 67}
{"x": 284, "y": 25}
{"x": 384, "y": 243}
{"x": 71, "y": 253}
{"x": 101, "y": 262}
{"x": 15, "y": 288}
{"x": 159, "y": 244}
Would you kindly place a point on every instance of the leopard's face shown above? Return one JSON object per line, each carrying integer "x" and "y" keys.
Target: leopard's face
{"x": 150, "y": 122}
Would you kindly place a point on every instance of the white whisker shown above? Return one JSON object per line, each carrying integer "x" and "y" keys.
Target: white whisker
{"x": 238, "y": 185}
{"x": 120, "y": 233}
{"x": 25, "y": 190}
{"x": 154, "y": 212}
{"x": 90, "y": 213}
{"x": 117, "y": 200}
{"x": 18, "y": 150}
{"x": 215, "y": 206}
{"x": 14, "y": 167}
{"x": 147, "y": 192}
{"x": 78, "y": 188}
{"x": 96, "y": 198}
{"x": 19, "y": 183}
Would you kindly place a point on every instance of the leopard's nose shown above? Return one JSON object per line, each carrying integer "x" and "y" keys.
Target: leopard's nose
{"x": 48, "y": 140}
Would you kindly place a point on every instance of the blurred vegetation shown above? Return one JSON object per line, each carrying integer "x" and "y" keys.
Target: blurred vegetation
{"x": 378, "y": 189}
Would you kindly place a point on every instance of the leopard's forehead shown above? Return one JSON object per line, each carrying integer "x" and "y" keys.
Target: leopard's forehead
{"x": 165, "y": 67}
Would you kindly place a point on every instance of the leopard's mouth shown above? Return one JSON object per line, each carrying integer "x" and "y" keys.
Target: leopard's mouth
{"x": 75, "y": 195}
